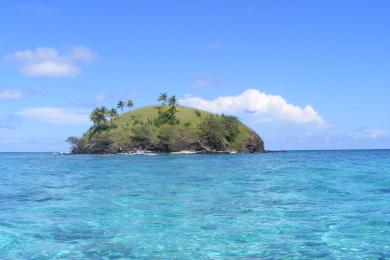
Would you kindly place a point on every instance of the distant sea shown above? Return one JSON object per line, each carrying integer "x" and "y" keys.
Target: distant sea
{"x": 289, "y": 205}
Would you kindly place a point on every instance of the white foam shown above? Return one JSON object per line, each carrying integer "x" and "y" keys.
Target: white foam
{"x": 184, "y": 152}
{"x": 141, "y": 153}
{"x": 60, "y": 153}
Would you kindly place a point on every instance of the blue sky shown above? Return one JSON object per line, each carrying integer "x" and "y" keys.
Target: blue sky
{"x": 303, "y": 74}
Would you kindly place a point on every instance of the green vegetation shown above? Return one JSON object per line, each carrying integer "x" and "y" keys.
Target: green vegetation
{"x": 120, "y": 105}
{"x": 164, "y": 128}
{"x": 163, "y": 98}
{"x": 130, "y": 104}
{"x": 112, "y": 114}
{"x": 219, "y": 131}
{"x": 100, "y": 116}
{"x": 73, "y": 141}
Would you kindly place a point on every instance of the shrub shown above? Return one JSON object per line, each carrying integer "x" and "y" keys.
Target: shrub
{"x": 231, "y": 125}
{"x": 73, "y": 141}
{"x": 197, "y": 113}
{"x": 141, "y": 133}
{"x": 101, "y": 144}
{"x": 166, "y": 116}
{"x": 213, "y": 131}
{"x": 136, "y": 122}
{"x": 142, "y": 136}
{"x": 166, "y": 137}
{"x": 100, "y": 128}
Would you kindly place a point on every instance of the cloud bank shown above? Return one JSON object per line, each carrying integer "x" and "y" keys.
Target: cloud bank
{"x": 56, "y": 115}
{"x": 262, "y": 106}
{"x": 10, "y": 94}
{"x": 50, "y": 62}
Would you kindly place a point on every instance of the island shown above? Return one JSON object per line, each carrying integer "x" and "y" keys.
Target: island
{"x": 165, "y": 128}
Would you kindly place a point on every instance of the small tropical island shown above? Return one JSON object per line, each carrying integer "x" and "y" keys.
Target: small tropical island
{"x": 164, "y": 128}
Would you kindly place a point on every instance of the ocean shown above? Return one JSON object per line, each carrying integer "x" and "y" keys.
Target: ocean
{"x": 285, "y": 205}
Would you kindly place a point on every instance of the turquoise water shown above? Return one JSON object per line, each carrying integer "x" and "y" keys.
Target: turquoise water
{"x": 292, "y": 205}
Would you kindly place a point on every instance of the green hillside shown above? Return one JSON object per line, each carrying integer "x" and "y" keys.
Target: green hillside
{"x": 147, "y": 128}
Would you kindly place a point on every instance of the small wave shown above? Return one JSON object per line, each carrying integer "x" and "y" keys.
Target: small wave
{"x": 142, "y": 153}
{"x": 61, "y": 153}
{"x": 184, "y": 152}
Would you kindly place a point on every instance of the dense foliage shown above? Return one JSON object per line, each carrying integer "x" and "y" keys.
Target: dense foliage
{"x": 219, "y": 131}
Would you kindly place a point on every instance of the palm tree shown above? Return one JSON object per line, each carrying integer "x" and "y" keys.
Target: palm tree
{"x": 99, "y": 116}
{"x": 163, "y": 98}
{"x": 102, "y": 112}
{"x": 172, "y": 101}
{"x": 96, "y": 117}
{"x": 130, "y": 103}
{"x": 112, "y": 114}
{"x": 120, "y": 105}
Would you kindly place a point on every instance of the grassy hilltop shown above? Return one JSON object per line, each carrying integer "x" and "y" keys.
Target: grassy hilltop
{"x": 151, "y": 128}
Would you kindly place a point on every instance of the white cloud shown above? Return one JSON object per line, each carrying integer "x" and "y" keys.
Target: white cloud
{"x": 364, "y": 133}
{"x": 10, "y": 94}
{"x": 56, "y": 115}
{"x": 82, "y": 53}
{"x": 263, "y": 106}
{"x": 49, "y": 62}
{"x": 199, "y": 83}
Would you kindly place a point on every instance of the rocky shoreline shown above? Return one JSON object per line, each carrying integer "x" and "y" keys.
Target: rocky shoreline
{"x": 252, "y": 146}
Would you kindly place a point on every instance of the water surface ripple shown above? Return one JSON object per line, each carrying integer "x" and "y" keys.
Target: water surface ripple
{"x": 295, "y": 205}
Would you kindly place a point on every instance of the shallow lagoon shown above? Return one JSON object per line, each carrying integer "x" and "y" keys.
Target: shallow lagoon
{"x": 302, "y": 205}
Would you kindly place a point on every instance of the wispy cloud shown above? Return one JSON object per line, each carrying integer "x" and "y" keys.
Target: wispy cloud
{"x": 50, "y": 62}
{"x": 262, "y": 106}
{"x": 36, "y": 91}
{"x": 9, "y": 121}
{"x": 206, "y": 81}
{"x": 363, "y": 133}
{"x": 9, "y": 94}
{"x": 56, "y": 115}
{"x": 31, "y": 145}
{"x": 329, "y": 139}
{"x": 100, "y": 97}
